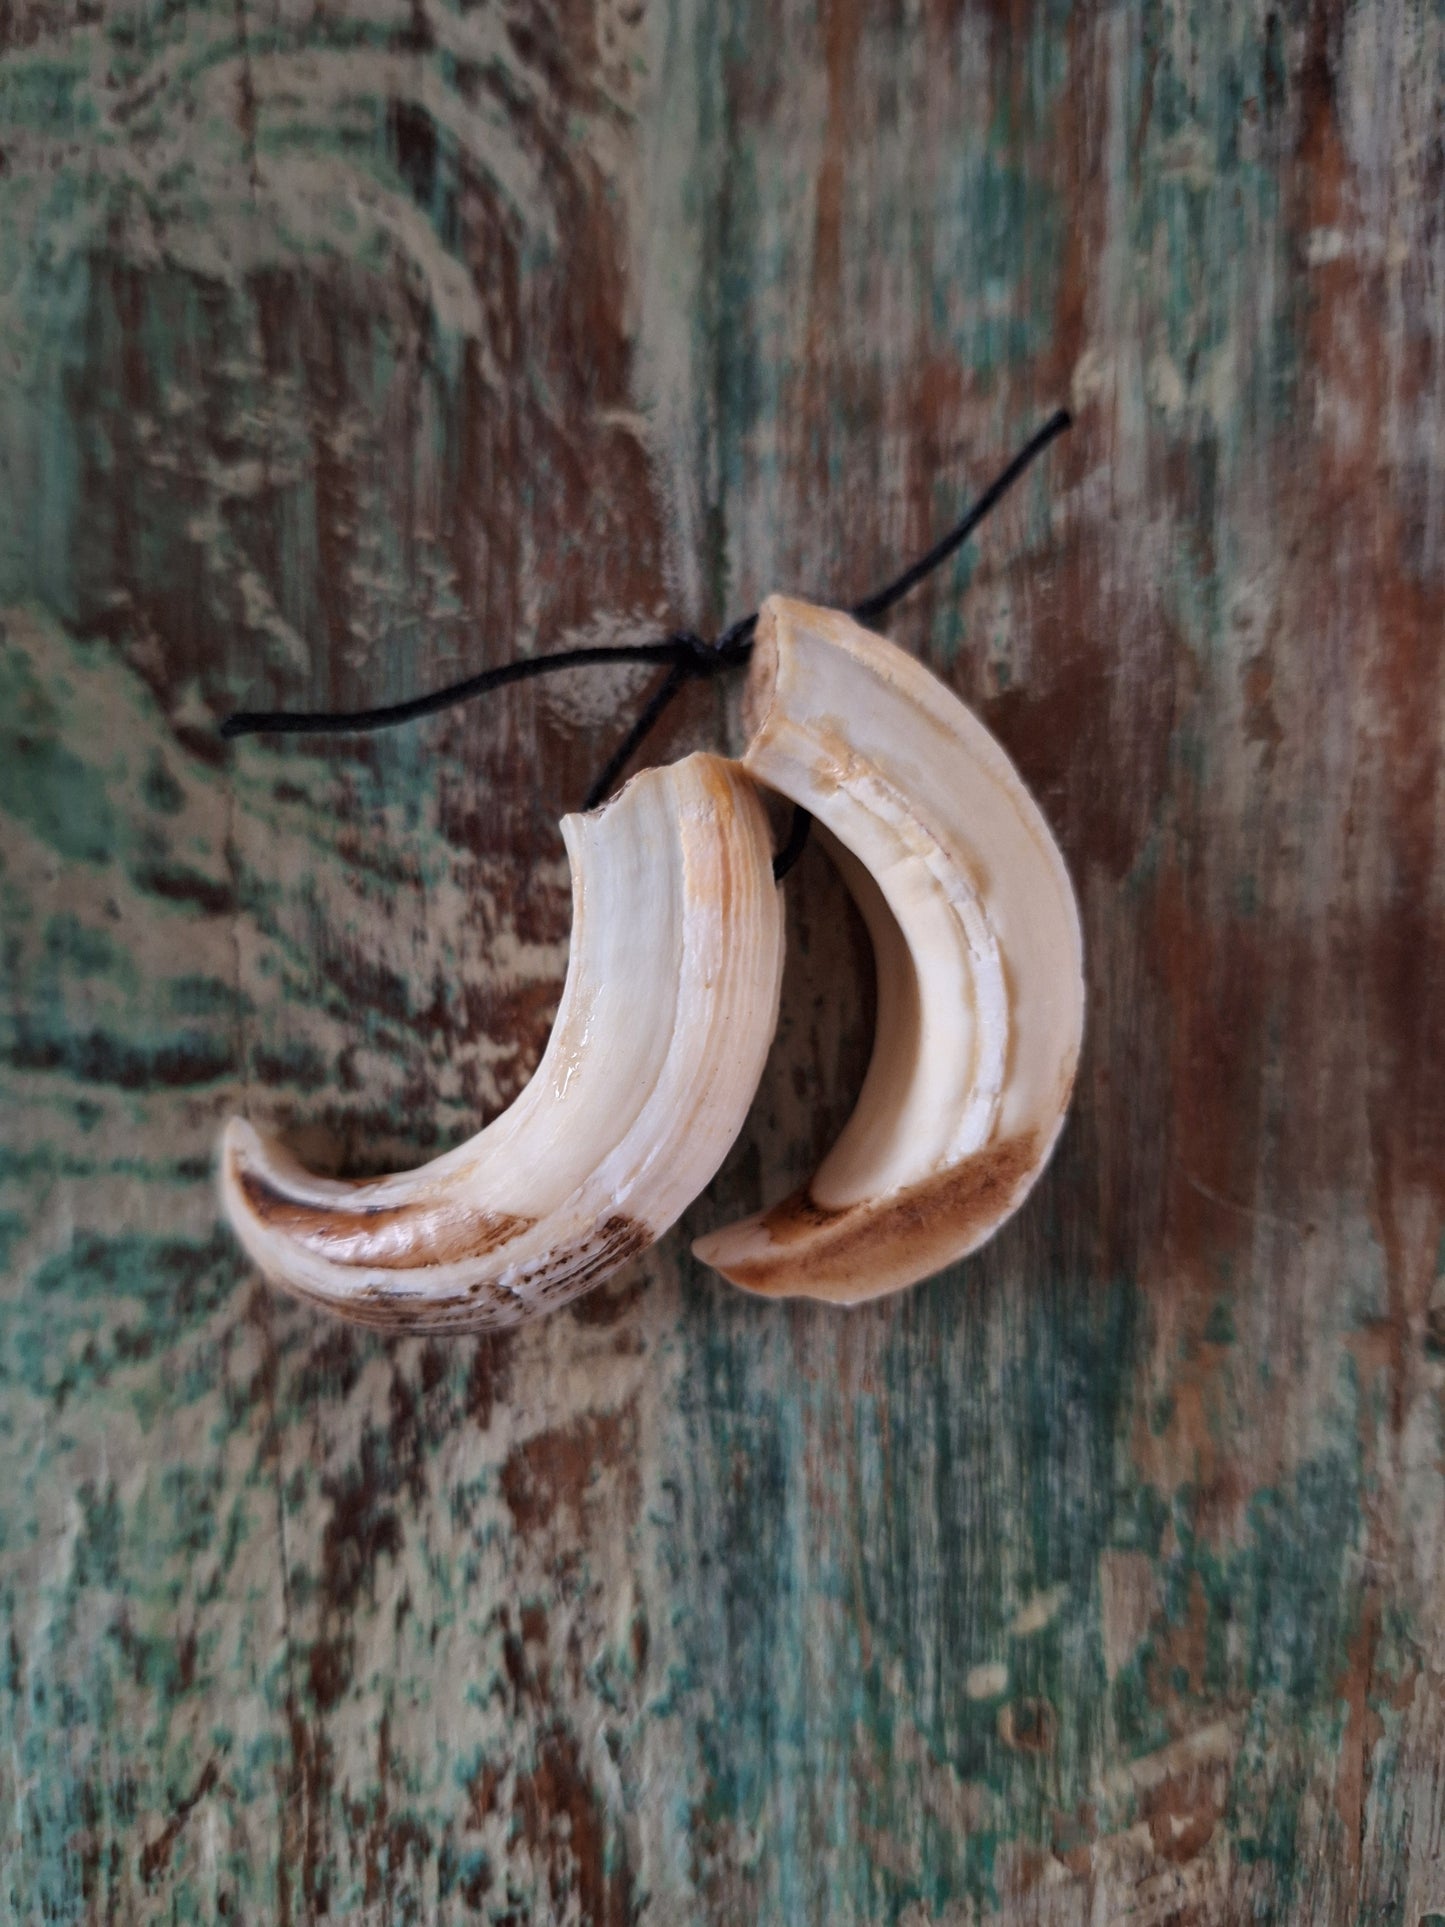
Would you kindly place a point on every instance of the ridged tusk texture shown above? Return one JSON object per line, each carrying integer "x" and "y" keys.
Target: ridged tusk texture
{"x": 669, "y": 1007}
{"x": 980, "y": 963}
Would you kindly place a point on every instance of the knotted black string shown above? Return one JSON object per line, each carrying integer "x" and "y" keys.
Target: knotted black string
{"x": 688, "y": 656}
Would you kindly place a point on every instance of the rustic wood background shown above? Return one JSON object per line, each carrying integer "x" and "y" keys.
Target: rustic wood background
{"x": 347, "y": 346}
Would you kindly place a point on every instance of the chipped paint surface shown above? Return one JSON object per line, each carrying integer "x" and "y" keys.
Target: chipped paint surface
{"x": 1102, "y": 1580}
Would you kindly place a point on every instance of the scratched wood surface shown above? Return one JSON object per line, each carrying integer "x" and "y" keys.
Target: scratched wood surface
{"x": 345, "y": 347}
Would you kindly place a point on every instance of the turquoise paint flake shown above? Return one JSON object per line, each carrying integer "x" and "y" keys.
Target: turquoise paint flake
{"x": 54, "y": 793}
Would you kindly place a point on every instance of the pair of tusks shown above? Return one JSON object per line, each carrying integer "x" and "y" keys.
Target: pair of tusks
{"x": 670, "y": 1005}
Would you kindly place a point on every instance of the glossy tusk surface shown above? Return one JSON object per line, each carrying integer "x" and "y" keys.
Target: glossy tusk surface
{"x": 980, "y": 963}
{"x": 668, "y": 1009}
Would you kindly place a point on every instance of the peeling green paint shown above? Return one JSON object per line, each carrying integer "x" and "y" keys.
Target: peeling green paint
{"x": 1100, "y": 1574}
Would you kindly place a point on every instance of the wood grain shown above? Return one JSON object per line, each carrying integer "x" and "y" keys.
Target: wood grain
{"x": 342, "y": 349}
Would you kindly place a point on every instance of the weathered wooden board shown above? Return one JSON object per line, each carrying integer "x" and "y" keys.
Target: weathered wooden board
{"x": 343, "y": 347}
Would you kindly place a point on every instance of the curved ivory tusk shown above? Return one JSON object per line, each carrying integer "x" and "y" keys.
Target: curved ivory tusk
{"x": 669, "y": 1007}
{"x": 980, "y": 963}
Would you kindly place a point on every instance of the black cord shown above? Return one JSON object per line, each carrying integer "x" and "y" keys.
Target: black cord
{"x": 681, "y": 646}
{"x": 875, "y": 605}
{"x": 797, "y": 842}
{"x": 657, "y": 702}
{"x": 688, "y": 656}
{"x": 737, "y": 644}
